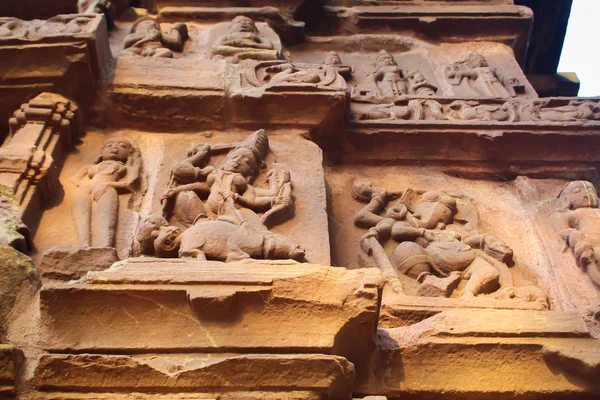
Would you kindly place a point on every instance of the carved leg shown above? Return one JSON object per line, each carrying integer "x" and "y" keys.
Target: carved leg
{"x": 188, "y": 208}
{"x": 373, "y": 248}
{"x": 483, "y": 278}
{"x": 194, "y": 253}
{"x": 105, "y": 218}
{"x": 81, "y": 209}
{"x": 234, "y": 252}
{"x": 163, "y": 53}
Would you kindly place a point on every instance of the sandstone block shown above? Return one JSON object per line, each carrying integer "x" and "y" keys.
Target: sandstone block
{"x": 66, "y": 262}
{"x": 331, "y": 377}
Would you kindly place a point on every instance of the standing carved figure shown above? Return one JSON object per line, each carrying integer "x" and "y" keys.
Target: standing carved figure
{"x": 388, "y": 77}
{"x": 244, "y": 41}
{"x": 95, "y": 204}
{"x": 439, "y": 243}
{"x": 577, "y": 221}
{"x": 477, "y": 77}
{"x": 147, "y": 40}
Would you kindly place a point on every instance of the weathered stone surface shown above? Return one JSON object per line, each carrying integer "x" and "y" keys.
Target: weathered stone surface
{"x": 330, "y": 376}
{"x": 68, "y": 54}
{"x": 277, "y": 306}
{"x": 66, "y": 262}
{"x": 462, "y": 353}
{"x": 12, "y": 230}
{"x": 11, "y": 360}
{"x": 16, "y": 269}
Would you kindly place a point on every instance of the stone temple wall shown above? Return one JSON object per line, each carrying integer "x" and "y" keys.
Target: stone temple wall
{"x": 324, "y": 200}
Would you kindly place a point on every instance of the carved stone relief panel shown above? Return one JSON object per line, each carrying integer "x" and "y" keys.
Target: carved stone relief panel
{"x": 222, "y": 196}
{"x": 435, "y": 236}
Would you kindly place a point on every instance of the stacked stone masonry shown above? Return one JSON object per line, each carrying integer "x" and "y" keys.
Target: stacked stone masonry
{"x": 291, "y": 200}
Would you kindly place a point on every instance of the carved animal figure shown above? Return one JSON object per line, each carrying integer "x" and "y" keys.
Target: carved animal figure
{"x": 224, "y": 241}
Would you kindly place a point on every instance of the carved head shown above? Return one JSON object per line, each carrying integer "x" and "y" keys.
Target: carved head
{"x": 416, "y": 78}
{"x": 384, "y": 58}
{"x": 578, "y": 194}
{"x": 278, "y": 247}
{"x": 476, "y": 60}
{"x": 146, "y": 25}
{"x": 242, "y": 24}
{"x": 498, "y": 249}
{"x": 149, "y": 231}
{"x": 167, "y": 242}
{"x": 116, "y": 149}
{"x": 248, "y": 157}
{"x": 333, "y": 59}
{"x": 435, "y": 211}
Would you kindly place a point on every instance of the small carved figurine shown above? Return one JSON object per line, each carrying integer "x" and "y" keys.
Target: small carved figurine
{"x": 244, "y": 41}
{"x": 387, "y": 76}
{"x": 105, "y": 7}
{"x": 437, "y": 240}
{"x": 473, "y": 110}
{"x": 419, "y": 86}
{"x": 577, "y": 222}
{"x": 477, "y": 77}
{"x": 95, "y": 204}
{"x": 147, "y": 40}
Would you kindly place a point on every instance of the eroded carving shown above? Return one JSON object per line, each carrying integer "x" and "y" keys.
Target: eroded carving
{"x": 439, "y": 243}
{"x": 575, "y": 110}
{"x": 388, "y": 77}
{"x": 328, "y": 75}
{"x": 95, "y": 205}
{"x": 218, "y": 208}
{"x": 146, "y": 39}
{"x": 244, "y": 41}
{"x": 474, "y": 77}
{"x": 58, "y": 25}
{"x": 577, "y": 222}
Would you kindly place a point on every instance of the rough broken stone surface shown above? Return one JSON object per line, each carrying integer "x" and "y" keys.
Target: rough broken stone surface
{"x": 11, "y": 360}
{"x": 66, "y": 262}
{"x": 17, "y": 269}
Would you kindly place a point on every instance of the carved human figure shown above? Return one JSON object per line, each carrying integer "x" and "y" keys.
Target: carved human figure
{"x": 11, "y": 27}
{"x": 476, "y": 74}
{"x": 286, "y": 73}
{"x": 473, "y": 110}
{"x": 387, "y": 76}
{"x": 413, "y": 111}
{"x": 576, "y": 220}
{"x": 147, "y": 40}
{"x": 95, "y": 204}
{"x": 228, "y": 190}
{"x": 60, "y": 24}
{"x": 435, "y": 238}
{"x": 419, "y": 86}
{"x": 575, "y": 110}
{"x": 244, "y": 41}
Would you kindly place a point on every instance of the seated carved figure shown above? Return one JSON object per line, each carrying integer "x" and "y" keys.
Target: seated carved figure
{"x": 198, "y": 190}
{"x": 419, "y": 86}
{"x": 244, "y": 41}
{"x": 577, "y": 222}
{"x": 146, "y": 39}
{"x": 436, "y": 240}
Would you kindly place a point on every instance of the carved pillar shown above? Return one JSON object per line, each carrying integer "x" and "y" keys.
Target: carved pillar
{"x": 42, "y": 131}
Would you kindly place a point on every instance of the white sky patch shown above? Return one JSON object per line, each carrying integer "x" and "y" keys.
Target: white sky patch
{"x": 581, "y": 51}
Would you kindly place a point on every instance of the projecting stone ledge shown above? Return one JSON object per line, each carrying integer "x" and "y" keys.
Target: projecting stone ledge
{"x": 480, "y": 354}
{"x": 310, "y": 376}
{"x": 199, "y": 306}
